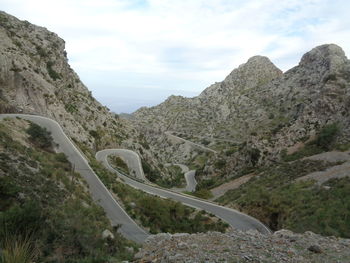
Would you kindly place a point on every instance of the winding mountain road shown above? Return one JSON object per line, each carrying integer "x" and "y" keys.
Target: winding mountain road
{"x": 195, "y": 145}
{"x": 99, "y": 192}
{"x": 104, "y": 198}
{"x": 235, "y": 218}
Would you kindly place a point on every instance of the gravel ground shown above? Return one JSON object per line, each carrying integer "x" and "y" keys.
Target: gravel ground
{"x": 251, "y": 246}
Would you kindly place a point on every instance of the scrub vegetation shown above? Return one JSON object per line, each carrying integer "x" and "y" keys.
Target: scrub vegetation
{"x": 323, "y": 142}
{"x": 176, "y": 177}
{"x": 157, "y": 214}
{"x": 275, "y": 198}
{"x": 46, "y": 212}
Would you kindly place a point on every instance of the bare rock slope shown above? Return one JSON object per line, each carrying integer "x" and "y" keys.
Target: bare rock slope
{"x": 35, "y": 78}
{"x": 257, "y": 112}
{"x": 236, "y": 246}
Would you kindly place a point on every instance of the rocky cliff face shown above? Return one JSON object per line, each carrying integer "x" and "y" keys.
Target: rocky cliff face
{"x": 35, "y": 78}
{"x": 213, "y": 112}
{"x": 257, "y": 111}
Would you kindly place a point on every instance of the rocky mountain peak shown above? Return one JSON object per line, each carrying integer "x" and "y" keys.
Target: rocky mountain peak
{"x": 174, "y": 99}
{"x": 254, "y": 68}
{"x": 330, "y": 56}
{"x": 259, "y": 61}
{"x": 256, "y": 72}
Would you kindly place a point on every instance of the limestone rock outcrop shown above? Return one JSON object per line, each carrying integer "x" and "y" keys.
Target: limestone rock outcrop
{"x": 257, "y": 111}
{"x": 35, "y": 78}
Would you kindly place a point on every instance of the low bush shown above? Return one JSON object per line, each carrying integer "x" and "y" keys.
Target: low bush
{"x": 118, "y": 162}
{"x": 323, "y": 142}
{"x": 40, "y": 137}
{"x": 201, "y": 193}
{"x": 175, "y": 179}
{"x": 327, "y": 136}
{"x": 52, "y": 73}
{"x": 219, "y": 164}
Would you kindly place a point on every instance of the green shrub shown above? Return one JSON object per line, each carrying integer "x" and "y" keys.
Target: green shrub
{"x": 343, "y": 147}
{"x": 254, "y": 155}
{"x": 219, "y": 164}
{"x": 39, "y": 136}
{"x": 207, "y": 183}
{"x": 62, "y": 158}
{"x": 71, "y": 108}
{"x": 205, "y": 142}
{"x": 308, "y": 150}
{"x": 202, "y": 193}
{"x": 52, "y": 73}
{"x": 327, "y": 136}
{"x": 118, "y": 162}
{"x": 22, "y": 218}
{"x": 231, "y": 151}
{"x": 323, "y": 142}
{"x": 8, "y": 188}
{"x": 41, "y": 51}
{"x": 276, "y": 199}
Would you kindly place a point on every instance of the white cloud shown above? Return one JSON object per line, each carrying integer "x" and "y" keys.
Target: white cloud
{"x": 196, "y": 42}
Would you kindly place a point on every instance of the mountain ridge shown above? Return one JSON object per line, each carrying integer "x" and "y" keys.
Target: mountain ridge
{"x": 36, "y": 78}
{"x": 257, "y": 100}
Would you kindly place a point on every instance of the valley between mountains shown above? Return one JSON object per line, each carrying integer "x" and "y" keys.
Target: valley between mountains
{"x": 263, "y": 151}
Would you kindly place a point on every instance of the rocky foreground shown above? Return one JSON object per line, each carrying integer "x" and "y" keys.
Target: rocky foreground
{"x": 238, "y": 246}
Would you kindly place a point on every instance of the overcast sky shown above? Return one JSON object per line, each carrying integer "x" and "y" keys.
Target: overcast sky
{"x": 134, "y": 53}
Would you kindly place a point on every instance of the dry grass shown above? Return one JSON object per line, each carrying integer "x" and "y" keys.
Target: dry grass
{"x": 17, "y": 249}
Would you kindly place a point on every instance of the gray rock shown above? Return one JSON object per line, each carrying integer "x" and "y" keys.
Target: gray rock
{"x": 315, "y": 248}
{"x": 180, "y": 234}
{"x": 106, "y": 234}
{"x": 130, "y": 249}
{"x": 182, "y": 245}
{"x": 254, "y": 101}
{"x": 236, "y": 247}
{"x": 36, "y": 78}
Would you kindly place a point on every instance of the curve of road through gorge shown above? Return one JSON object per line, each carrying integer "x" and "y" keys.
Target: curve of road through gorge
{"x": 114, "y": 211}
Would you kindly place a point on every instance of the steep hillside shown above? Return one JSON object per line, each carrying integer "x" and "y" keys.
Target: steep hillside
{"x": 212, "y": 113}
{"x": 46, "y": 211}
{"x": 35, "y": 78}
{"x": 255, "y": 116}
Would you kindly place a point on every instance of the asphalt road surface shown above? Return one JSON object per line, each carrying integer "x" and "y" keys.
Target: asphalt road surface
{"x": 191, "y": 182}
